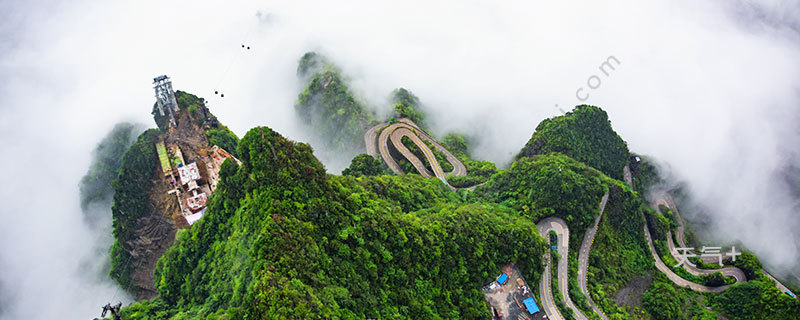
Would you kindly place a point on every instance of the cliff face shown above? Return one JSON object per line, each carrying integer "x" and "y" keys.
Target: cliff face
{"x": 154, "y": 233}
{"x": 132, "y": 210}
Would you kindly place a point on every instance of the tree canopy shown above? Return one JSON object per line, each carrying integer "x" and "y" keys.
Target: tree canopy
{"x": 585, "y": 134}
{"x": 364, "y": 165}
{"x": 283, "y": 239}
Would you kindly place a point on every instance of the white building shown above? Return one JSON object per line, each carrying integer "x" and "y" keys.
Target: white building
{"x": 189, "y": 173}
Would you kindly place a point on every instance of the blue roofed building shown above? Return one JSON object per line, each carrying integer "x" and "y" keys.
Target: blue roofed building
{"x": 502, "y": 279}
{"x": 530, "y": 304}
{"x": 509, "y": 297}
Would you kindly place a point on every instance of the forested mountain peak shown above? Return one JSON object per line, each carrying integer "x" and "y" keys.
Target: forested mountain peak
{"x": 584, "y": 134}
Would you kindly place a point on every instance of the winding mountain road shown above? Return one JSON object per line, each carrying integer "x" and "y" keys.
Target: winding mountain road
{"x": 407, "y": 128}
{"x": 583, "y": 258}
{"x": 546, "y": 292}
{"x": 661, "y": 266}
{"x": 666, "y": 200}
{"x": 559, "y": 226}
{"x": 396, "y": 138}
{"x": 458, "y": 167}
{"x": 369, "y": 139}
{"x": 671, "y": 275}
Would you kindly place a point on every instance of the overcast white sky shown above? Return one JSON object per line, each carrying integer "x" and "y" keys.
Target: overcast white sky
{"x": 708, "y": 87}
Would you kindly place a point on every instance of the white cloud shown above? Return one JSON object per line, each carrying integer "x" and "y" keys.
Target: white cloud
{"x": 710, "y": 88}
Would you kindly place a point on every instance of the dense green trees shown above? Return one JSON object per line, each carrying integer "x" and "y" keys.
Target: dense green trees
{"x": 665, "y": 301}
{"x": 457, "y": 144}
{"x": 406, "y": 105}
{"x": 405, "y": 164}
{"x": 757, "y": 299}
{"x": 281, "y": 239}
{"x": 364, "y": 165}
{"x": 224, "y": 138}
{"x": 662, "y": 301}
{"x": 186, "y": 102}
{"x": 749, "y": 264}
{"x": 411, "y": 146}
{"x": 619, "y": 253}
{"x": 440, "y": 157}
{"x": 464, "y": 181}
{"x": 131, "y": 190}
{"x": 106, "y": 160}
{"x": 584, "y": 134}
{"x": 311, "y": 63}
{"x": 477, "y": 171}
{"x": 658, "y": 224}
{"x": 645, "y": 174}
{"x": 549, "y": 185}
{"x": 328, "y": 107}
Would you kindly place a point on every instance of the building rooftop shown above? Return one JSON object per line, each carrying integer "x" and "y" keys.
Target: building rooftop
{"x": 530, "y": 304}
{"x": 189, "y": 172}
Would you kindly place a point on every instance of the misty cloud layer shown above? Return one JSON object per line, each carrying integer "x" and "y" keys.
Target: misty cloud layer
{"x": 708, "y": 88}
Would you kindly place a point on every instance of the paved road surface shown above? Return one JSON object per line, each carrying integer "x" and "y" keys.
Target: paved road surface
{"x": 660, "y": 264}
{"x": 384, "y": 150}
{"x": 559, "y": 226}
{"x": 546, "y": 293}
{"x": 671, "y": 275}
{"x": 458, "y": 168}
{"x": 666, "y": 200}
{"x": 583, "y": 258}
{"x": 778, "y": 284}
{"x": 369, "y": 139}
{"x": 628, "y": 177}
{"x": 396, "y": 138}
{"x": 405, "y": 127}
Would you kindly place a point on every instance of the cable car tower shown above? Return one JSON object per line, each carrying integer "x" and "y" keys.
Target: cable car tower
{"x": 166, "y": 98}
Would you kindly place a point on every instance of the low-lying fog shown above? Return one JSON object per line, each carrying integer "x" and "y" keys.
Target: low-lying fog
{"x": 709, "y": 88}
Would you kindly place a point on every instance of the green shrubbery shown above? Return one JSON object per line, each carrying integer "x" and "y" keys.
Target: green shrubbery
{"x": 406, "y": 105}
{"x": 619, "y": 253}
{"x": 585, "y": 134}
{"x": 328, "y": 107}
{"x": 107, "y": 158}
{"x": 664, "y": 301}
{"x": 283, "y": 239}
{"x": 645, "y": 175}
{"x": 224, "y": 138}
{"x": 131, "y": 201}
{"x": 757, "y": 299}
{"x": 465, "y": 181}
{"x": 364, "y": 165}
{"x": 550, "y": 185}
{"x": 409, "y": 168}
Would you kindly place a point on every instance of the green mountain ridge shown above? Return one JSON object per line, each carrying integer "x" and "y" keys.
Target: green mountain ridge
{"x": 281, "y": 238}
{"x": 584, "y": 134}
{"x": 328, "y": 107}
{"x": 285, "y": 239}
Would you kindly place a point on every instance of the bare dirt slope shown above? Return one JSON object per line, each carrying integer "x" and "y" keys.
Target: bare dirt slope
{"x": 155, "y": 232}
